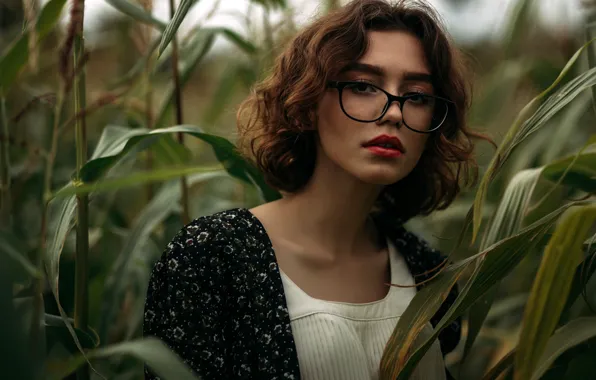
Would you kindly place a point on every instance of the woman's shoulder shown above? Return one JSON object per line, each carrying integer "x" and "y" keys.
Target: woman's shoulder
{"x": 231, "y": 227}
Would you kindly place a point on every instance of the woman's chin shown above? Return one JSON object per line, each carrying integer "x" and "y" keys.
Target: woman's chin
{"x": 381, "y": 177}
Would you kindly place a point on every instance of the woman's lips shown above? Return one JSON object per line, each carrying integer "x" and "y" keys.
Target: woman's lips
{"x": 384, "y": 152}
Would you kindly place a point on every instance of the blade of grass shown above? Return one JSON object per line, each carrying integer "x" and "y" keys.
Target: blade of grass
{"x": 134, "y": 179}
{"x": 172, "y": 27}
{"x": 566, "y": 337}
{"x": 163, "y": 361}
{"x": 137, "y": 12}
{"x": 562, "y": 256}
{"x": 507, "y": 221}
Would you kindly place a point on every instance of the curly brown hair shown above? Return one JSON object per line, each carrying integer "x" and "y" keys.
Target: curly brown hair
{"x": 277, "y": 122}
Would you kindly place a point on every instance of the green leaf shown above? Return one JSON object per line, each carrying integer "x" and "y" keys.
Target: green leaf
{"x": 168, "y": 152}
{"x": 401, "y": 357}
{"x": 578, "y": 172}
{"x": 137, "y": 12}
{"x": 575, "y": 332}
{"x": 236, "y": 39}
{"x": 199, "y": 46}
{"x": 522, "y": 129}
{"x": 506, "y": 222}
{"x": 554, "y": 278}
{"x": 123, "y": 274}
{"x": 165, "y": 363}
{"x": 172, "y": 27}
{"x": 504, "y": 365}
{"x": 224, "y": 150}
{"x": 61, "y": 212}
{"x": 17, "y": 54}
{"x": 135, "y": 179}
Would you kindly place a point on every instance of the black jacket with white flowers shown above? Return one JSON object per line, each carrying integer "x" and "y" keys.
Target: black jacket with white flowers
{"x": 216, "y": 297}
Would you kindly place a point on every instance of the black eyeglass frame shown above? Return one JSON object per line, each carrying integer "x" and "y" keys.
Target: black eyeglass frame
{"x": 340, "y": 85}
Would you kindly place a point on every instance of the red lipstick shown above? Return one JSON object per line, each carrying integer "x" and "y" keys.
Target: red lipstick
{"x": 385, "y": 146}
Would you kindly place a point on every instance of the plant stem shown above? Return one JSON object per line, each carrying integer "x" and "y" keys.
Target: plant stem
{"x": 5, "y": 209}
{"x": 179, "y": 118}
{"x": 81, "y": 304}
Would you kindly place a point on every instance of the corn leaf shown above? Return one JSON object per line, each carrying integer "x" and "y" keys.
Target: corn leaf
{"x": 575, "y": 332}
{"x": 135, "y": 179}
{"x": 17, "y": 55}
{"x": 552, "y": 284}
{"x": 506, "y": 222}
{"x": 137, "y": 12}
{"x": 61, "y": 212}
{"x": 522, "y": 129}
{"x": 401, "y": 357}
{"x": 164, "y": 362}
{"x": 578, "y": 172}
{"x": 224, "y": 150}
{"x": 504, "y": 365}
{"x": 172, "y": 27}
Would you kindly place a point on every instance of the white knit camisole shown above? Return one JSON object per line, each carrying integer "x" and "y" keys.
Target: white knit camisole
{"x": 345, "y": 341}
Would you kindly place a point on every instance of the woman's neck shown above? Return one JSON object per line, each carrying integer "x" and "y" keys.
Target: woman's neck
{"x": 332, "y": 211}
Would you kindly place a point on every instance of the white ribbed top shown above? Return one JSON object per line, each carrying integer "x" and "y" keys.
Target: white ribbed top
{"x": 345, "y": 341}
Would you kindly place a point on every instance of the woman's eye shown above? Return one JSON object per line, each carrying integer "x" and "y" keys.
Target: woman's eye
{"x": 362, "y": 88}
{"x": 417, "y": 98}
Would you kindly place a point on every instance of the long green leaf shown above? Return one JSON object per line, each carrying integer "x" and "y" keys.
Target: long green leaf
{"x": 520, "y": 129}
{"x": 135, "y": 179}
{"x": 165, "y": 363}
{"x": 17, "y": 55}
{"x": 570, "y": 335}
{"x": 224, "y": 150}
{"x": 172, "y": 27}
{"x": 119, "y": 278}
{"x": 506, "y": 222}
{"x": 581, "y": 175}
{"x": 400, "y": 356}
{"x": 553, "y": 281}
{"x": 137, "y": 12}
{"x": 61, "y": 212}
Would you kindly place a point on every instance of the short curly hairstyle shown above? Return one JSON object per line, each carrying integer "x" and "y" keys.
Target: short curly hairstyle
{"x": 277, "y": 122}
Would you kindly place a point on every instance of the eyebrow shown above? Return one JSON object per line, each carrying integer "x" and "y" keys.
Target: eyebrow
{"x": 408, "y": 76}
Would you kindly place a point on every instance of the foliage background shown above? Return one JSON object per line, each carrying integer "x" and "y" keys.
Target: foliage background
{"x": 128, "y": 228}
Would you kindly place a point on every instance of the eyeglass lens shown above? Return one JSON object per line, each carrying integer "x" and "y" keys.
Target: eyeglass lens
{"x": 366, "y": 103}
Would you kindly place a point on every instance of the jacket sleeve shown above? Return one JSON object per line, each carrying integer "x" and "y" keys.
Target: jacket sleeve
{"x": 184, "y": 306}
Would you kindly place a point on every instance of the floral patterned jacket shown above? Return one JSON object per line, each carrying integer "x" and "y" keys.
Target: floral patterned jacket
{"x": 216, "y": 298}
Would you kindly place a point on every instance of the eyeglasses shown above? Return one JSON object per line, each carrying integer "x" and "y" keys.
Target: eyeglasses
{"x": 365, "y": 102}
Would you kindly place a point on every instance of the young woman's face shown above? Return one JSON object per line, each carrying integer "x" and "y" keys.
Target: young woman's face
{"x": 394, "y": 61}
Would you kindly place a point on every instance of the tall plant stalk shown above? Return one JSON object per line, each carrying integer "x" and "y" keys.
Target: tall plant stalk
{"x": 81, "y": 304}
{"x": 146, "y": 32}
{"x": 5, "y": 202}
{"x": 179, "y": 115}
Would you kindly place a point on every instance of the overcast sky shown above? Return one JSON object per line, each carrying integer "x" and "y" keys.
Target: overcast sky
{"x": 480, "y": 18}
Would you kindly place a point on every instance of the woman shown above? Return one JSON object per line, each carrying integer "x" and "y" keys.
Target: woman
{"x": 361, "y": 126}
